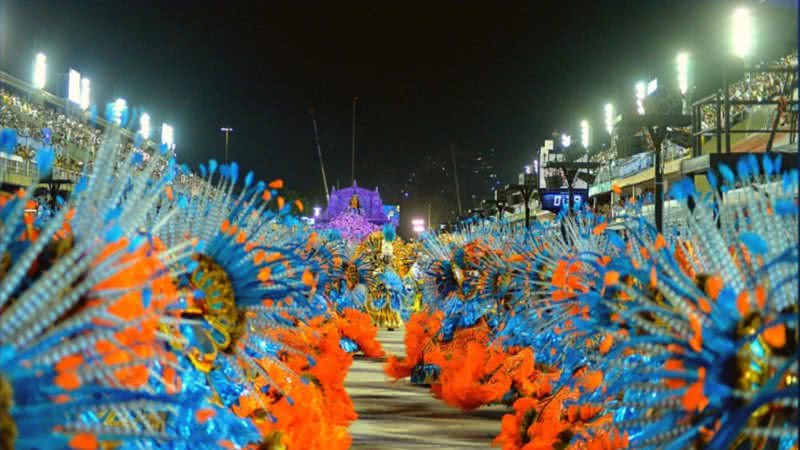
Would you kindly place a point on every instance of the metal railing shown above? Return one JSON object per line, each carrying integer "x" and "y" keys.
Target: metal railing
{"x": 30, "y": 170}
{"x": 723, "y": 108}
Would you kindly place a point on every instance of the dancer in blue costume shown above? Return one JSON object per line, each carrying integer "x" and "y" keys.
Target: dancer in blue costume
{"x": 78, "y": 352}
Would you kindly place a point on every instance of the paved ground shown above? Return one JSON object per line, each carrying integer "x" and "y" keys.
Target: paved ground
{"x": 399, "y": 416}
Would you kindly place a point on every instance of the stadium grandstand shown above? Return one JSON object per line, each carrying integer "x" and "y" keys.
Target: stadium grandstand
{"x": 763, "y": 110}
{"x": 753, "y": 102}
{"x": 31, "y": 119}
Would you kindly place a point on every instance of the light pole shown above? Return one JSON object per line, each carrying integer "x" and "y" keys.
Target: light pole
{"x": 353, "y": 146}
{"x": 227, "y": 131}
{"x": 40, "y": 71}
{"x": 609, "y": 110}
{"x": 682, "y": 63}
{"x": 585, "y": 134}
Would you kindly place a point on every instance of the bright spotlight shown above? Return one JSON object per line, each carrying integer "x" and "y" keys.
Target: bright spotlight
{"x": 742, "y": 29}
{"x": 85, "y": 89}
{"x": 641, "y": 93}
{"x": 683, "y": 71}
{"x": 652, "y": 86}
{"x": 609, "y": 117}
{"x": 418, "y": 225}
{"x": 74, "y": 86}
{"x": 117, "y": 110}
{"x": 585, "y": 133}
{"x": 167, "y": 135}
{"x": 40, "y": 71}
{"x": 566, "y": 140}
{"x": 317, "y": 211}
{"x": 144, "y": 125}
{"x": 528, "y": 170}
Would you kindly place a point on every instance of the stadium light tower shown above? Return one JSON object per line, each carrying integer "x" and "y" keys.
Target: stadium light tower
{"x": 167, "y": 136}
{"x": 743, "y": 31}
{"x": 144, "y": 126}
{"x": 641, "y": 93}
{"x": 609, "y": 109}
{"x": 585, "y": 134}
{"x": 85, "y": 89}
{"x": 74, "y": 86}
{"x": 117, "y": 110}
{"x": 682, "y": 62}
{"x": 40, "y": 71}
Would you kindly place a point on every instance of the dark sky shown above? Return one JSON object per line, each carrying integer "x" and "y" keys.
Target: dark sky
{"x": 481, "y": 74}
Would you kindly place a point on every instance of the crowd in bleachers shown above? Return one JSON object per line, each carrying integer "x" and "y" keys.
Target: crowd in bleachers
{"x": 74, "y": 139}
{"x": 758, "y": 87}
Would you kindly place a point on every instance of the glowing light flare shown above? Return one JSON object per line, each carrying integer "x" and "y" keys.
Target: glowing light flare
{"x": 652, "y": 86}
{"x": 609, "y": 110}
{"x": 117, "y": 110}
{"x": 682, "y": 62}
{"x": 317, "y": 211}
{"x": 566, "y": 140}
{"x": 144, "y": 125}
{"x": 585, "y": 133}
{"x": 85, "y": 90}
{"x": 742, "y": 32}
{"x": 641, "y": 93}
{"x": 167, "y": 135}
{"x": 74, "y": 86}
{"x": 418, "y": 225}
{"x": 40, "y": 71}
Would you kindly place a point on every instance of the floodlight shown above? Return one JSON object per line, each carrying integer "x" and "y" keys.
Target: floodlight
{"x": 566, "y": 140}
{"x": 167, "y": 135}
{"x": 418, "y": 222}
{"x": 742, "y": 30}
{"x": 419, "y": 228}
{"x": 40, "y": 71}
{"x": 85, "y": 88}
{"x": 585, "y": 133}
{"x": 609, "y": 109}
{"x": 144, "y": 125}
{"x": 683, "y": 71}
{"x": 317, "y": 211}
{"x": 641, "y": 93}
{"x": 528, "y": 170}
{"x": 652, "y": 86}
{"x": 74, "y": 86}
{"x": 117, "y": 110}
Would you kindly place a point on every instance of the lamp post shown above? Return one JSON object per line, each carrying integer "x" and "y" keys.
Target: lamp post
{"x": 227, "y": 131}
{"x": 656, "y": 125}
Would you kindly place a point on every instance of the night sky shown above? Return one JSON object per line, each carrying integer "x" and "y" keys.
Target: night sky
{"x": 484, "y": 75}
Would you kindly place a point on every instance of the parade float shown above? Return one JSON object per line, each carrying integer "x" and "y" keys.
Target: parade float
{"x": 380, "y": 279}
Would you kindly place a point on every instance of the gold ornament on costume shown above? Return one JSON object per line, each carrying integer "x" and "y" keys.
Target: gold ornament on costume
{"x": 8, "y": 429}
{"x": 223, "y": 321}
{"x": 403, "y": 257}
